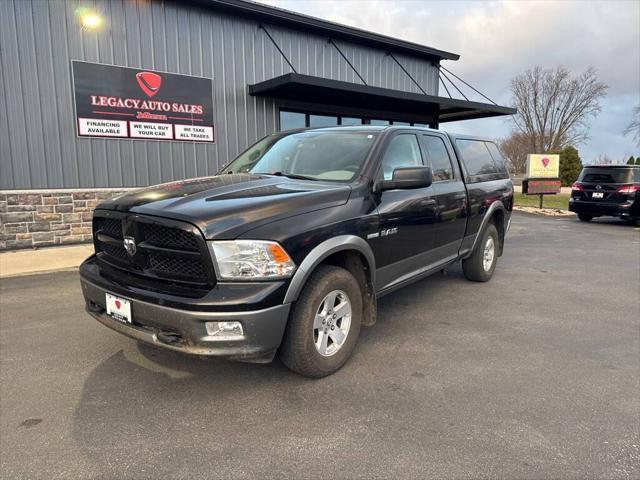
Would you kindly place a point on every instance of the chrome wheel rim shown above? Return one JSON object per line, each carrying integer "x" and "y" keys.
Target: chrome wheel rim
{"x": 489, "y": 254}
{"x": 332, "y": 322}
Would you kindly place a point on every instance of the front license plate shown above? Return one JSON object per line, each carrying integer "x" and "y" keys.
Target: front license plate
{"x": 597, "y": 195}
{"x": 118, "y": 308}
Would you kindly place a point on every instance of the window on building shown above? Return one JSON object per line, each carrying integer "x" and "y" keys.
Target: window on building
{"x": 350, "y": 121}
{"x": 322, "y": 121}
{"x": 438, "y": 158}
{"x": 403, "y": 151}
{"x": 291, "y": 120}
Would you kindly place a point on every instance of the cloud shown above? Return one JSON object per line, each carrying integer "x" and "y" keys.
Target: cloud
{"x": 497, "y": 40}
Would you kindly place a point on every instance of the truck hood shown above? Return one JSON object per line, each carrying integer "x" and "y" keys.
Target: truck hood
{"x": 226, "y": 206}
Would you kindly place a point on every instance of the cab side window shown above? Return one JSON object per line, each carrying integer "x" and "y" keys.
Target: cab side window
{"x": 438, "y": 158}
{"x": 403, "y": 151}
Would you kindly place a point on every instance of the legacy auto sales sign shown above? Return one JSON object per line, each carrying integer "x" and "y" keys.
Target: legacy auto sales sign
{"x": 123, "y": 102}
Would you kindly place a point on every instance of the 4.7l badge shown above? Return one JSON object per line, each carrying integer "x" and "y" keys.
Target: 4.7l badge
{"x": 383, "y": 233}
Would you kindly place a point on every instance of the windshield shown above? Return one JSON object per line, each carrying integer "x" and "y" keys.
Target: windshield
{"x": 316, "y": 155}
{"x": 607, "y": 175}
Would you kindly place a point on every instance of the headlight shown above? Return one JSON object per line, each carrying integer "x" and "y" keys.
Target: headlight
{"x": 251, "y": 260}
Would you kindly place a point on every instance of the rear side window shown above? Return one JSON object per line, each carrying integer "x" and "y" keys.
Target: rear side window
{"x": 501, "y": 164}
{"x": 478, "y": 161}
{"x": 607, "y": 175}
{"x": 438, "y": 158}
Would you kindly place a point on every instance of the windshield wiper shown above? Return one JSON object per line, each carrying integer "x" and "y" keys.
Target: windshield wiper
{"x": 289, "y": 175}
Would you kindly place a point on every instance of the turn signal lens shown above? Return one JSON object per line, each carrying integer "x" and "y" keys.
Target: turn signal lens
{"x": 628, "y": 189}
{"x": 278, "y": 253}
{"x": 577, "y": 186}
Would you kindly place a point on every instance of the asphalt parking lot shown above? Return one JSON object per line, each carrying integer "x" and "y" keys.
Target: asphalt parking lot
{"x": 534, "y": 374}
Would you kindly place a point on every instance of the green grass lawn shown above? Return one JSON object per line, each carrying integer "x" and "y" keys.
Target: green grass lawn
{"x": 560, "y": 200}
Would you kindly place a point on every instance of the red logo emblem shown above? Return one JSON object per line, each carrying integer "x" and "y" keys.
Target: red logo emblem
{"x": 118, "y": 304}
{"x": 545, "y": 162}
{"x": 149, "y": 82}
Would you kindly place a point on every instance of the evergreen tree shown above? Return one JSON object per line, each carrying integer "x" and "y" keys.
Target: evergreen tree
{"x": 570, "y": 165}
{"x": 631, "y": 161}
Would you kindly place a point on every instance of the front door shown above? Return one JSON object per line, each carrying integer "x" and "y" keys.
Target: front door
{"x": 403, "y": 244}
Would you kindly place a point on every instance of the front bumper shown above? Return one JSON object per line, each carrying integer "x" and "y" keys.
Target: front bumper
{"x": 600, "y": 208}
{"x": 184, "y": 330}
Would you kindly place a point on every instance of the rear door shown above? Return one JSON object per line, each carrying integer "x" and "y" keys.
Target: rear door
{"x": 451, "y": 196}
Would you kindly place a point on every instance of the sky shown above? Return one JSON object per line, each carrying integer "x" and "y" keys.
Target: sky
{"x": 500, "y": 39}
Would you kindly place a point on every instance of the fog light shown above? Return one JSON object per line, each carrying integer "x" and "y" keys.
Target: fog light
{"x": 225, "y": 330}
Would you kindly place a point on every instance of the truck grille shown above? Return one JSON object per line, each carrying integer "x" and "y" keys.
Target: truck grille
{"x": 166, "y": 251}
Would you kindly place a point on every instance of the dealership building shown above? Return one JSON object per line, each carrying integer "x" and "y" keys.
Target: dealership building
{"x": 112, "y": 95}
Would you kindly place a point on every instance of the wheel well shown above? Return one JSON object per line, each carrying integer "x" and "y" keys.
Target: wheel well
{"x": 357, "y": 265}
{"x": 498, "y": 220}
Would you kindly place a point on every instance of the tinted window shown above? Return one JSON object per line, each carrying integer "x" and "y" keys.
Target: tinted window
{"x": 403, "y": 151}
{"x": 498, "y": 159}
{"x": 438, "y": 158}
{"x": 477, "y": 158}
{"x": 291, "y": 120}
{"x": 606, "y": 175}
{"x": 323, "y": 155}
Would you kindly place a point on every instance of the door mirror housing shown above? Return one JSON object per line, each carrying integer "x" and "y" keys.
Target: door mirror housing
{"x": 407, "y": 178}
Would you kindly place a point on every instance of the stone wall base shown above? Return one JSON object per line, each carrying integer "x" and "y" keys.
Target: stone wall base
{"x": 39, "y": 218}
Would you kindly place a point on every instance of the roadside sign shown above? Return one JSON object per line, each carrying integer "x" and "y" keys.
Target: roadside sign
{"x": 543, "y": 166}
{"x": 541, "y": 187}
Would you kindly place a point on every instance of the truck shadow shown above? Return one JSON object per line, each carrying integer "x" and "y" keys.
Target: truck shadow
{"x": 142, "y": 404}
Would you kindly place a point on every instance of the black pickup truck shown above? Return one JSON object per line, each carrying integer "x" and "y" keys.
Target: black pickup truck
{"x": 288, "y": 248}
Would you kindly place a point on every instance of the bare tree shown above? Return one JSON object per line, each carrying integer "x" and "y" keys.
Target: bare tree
{"x": 554, "y": 107}
{"x": 515, "y": 149}
{"x": 633, "y": 128}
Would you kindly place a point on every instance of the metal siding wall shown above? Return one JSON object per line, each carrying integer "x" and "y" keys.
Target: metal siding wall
{"x": 39, "y": 147}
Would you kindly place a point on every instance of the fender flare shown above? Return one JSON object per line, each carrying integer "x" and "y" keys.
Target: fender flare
{"x": 322, "y": 251}
{"x": 497, "y": 205}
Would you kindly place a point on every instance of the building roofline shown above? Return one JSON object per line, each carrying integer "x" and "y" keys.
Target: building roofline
{"x": 291, "y": 19}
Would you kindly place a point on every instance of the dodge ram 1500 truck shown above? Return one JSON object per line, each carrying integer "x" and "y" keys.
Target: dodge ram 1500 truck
{"x": 287, "y": 248}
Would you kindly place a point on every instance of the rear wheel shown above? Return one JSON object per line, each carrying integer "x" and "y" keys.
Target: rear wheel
{"x": 479, "y": 267}
{"x": 325, "y": 323}
{"x": 585, "y": 217}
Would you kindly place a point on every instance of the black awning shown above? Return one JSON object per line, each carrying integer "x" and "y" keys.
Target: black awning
{"x": 373, "y": 102}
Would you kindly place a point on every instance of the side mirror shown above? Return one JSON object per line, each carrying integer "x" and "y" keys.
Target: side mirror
{"x": 408, "y": 177}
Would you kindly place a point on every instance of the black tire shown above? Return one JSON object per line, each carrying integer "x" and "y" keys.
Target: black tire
{"x": 583, "y": 217}
{"x": 473, "y": 267}
{"x": 298, "y": 350}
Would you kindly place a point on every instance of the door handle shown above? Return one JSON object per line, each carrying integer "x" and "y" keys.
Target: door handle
{"x": 427, "y": 203}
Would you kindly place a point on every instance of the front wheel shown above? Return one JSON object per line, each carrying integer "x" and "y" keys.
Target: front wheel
{"x": 583, "y": 217}
{"x": 325, "y": 323}
{"x": 479, "y": 267}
